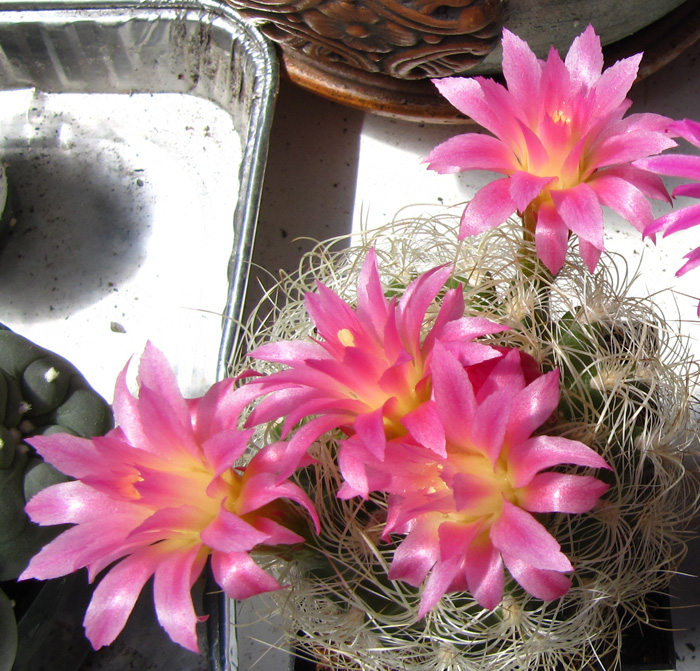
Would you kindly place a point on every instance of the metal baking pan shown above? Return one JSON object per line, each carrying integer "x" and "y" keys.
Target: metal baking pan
{"x": 58, "y": 51}
{"x": 134, "y": 136}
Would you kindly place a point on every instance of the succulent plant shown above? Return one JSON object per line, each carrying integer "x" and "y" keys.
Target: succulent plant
{"x": 626, "y": 379}
{"x": 40, "y": 393}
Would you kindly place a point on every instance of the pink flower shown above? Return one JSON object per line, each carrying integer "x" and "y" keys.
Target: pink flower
{"x": 472, "y": 513}
{"x": 369, "y": 372}
{"x": 679, "y": 165}
{"x": 562, "y": 142}
{"x": 161, "y": 494}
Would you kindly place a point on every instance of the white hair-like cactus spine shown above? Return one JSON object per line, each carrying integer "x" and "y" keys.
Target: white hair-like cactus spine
{"x": 626, "y": 390}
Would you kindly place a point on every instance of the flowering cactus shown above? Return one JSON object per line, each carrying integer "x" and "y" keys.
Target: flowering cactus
{"x": 158, "y": 495}
{"x": 561, "y": 140}
{"x": 538, "y": 516}
{"x": 369, "y": 371}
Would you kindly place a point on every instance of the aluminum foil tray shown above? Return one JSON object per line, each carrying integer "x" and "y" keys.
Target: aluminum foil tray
{"x": 134, "y": 136}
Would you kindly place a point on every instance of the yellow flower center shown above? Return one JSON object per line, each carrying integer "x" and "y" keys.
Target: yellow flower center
{"x": 560, "y": 117}
{"x": 346, "y": 338}
{"x": 494, "y": 485}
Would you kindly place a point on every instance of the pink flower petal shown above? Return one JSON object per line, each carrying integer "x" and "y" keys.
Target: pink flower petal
{"x": 453, "y": 394}
{"x": 172, "y": 595}
{"x": 370, "y": 431}
{"x": 240, "y": 577}
{"x": 687, "y": 129}
{"x": 489, "y": 208}
{"x": 561, "y": 492}
{"x": 693, "y": 262}
{"x": 624, "y": 198}
{"x": 471, "y": 151}
{"x": 585, "y": 58}
{"x": 679, "y": 220}
{"x": 438, "y": 583}
{"x": 524, "y": 187}
{"x": 418, "y": 552}
{"x": 521, "y": 69}
{"x": 115, "y": 596}
{"x": 581, "y": 212}
{"x": 532, "y": 406}
{"x": 372, "y": 308}
{"x": 425, "y": 427}
{"x": 541, "y": 452}
{"x": 466, "y": 94}
{"x": 551, "y": 238}
{"x": 589, "y": 253}
{"x": 484, "y": 570}
{"x": 519, "y": 534}
{"x": 673, "y": 165}
{"x": 614, "y": 84}
{"x": 229, "y": 533}
{"x": 541, "y": 583}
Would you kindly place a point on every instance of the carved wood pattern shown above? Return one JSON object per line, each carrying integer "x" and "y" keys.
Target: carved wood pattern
{"x": 406, "y": 39}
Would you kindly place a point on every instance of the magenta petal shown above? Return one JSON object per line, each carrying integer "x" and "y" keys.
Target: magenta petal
{"x": 585, "y": 58}
{"x": 522, "y": 70}
{"x": 278, "y": 535}
{"x": 453, "y": 394}
{"x": 437, "y": 585}
{"x": 229, "y": 533}
{"x": 370, "y": 431}
{"x": 71, "y": 503}
{"x": 692, "y": 263}
{"x": 615, "y": 82}
{"x": 532, "y": 407}
{"x": 589, "y": 253}
{"x": 551, "y": 239}
{"x": 126, "y": 411}
{"x": 115, "y": 596}
{"x": 414, "y": 303}
{"x": 372, "y": 306}
{"x": 351, "y": 464}
{"x": 418, "y": 552}
{"x": 624, "y": 198}
{"x": 240, "y": 577}
{"x": 489, "y": 208}
{"x": 467, "y": 95}
{"x": 519, "y": 534}
{"x": 673, "y": 165}
{"x": 679, "y": 220}
{"x": 71, "y": 455}
{"x": 691, "y": 190}
{"x": 484, "y": 571}
{"x": 288, "y": 352}
{"x": 263, "y": 488}
{"x": 524, "y": 187}
{"x": 687, "y": 129}
{"x": 425, "y": 426}
{"x": 168, "y": 520}
{"x": 562, "y": 493}
{"x": 223, "y": 449}
{"x": 455, "y": 539}
{"x": 542, "y": 452}
{"x": 541, "y": 583}
{"x": 581, "y": 212}
{"x": 470, "y": 490}
{"x": 172, "y": 594}
{"x": 471, "y": 151}
{"x": 488, "y": 426}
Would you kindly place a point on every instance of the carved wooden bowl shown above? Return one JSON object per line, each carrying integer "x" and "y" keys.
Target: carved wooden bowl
{"x": 379, "y": 55}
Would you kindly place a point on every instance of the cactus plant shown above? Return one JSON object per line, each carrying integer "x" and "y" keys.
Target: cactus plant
{"x": 40, "y": 393}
